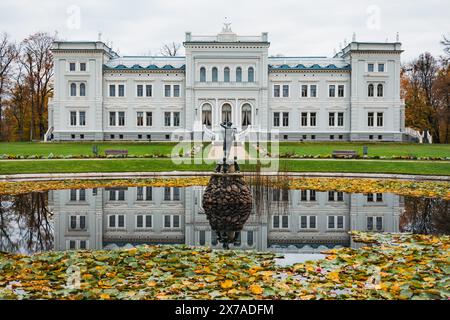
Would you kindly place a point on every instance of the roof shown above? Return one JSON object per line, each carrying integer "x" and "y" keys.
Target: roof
{"x": 309, "y": 67}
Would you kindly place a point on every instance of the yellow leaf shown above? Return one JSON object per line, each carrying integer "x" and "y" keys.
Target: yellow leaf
{"x": 105, "y": 296}
{"x": 226, "y": 284}
{"x": 334, "y": 275}
{"x": 255, "y": 289}
{"x": 151, "y": 283}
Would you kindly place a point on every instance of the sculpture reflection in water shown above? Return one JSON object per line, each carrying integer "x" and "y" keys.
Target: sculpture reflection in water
{"x": 227, "y": 200}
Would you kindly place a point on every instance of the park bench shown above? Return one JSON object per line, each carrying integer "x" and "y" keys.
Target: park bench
{"x": 123, "y": 153}
{"x": 344, "y": 154}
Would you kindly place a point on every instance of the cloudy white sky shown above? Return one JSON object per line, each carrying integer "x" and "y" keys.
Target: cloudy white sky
{"x": 295, "y": 27}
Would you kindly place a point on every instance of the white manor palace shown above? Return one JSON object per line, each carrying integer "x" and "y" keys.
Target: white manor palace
{"x": 353, "y": 96}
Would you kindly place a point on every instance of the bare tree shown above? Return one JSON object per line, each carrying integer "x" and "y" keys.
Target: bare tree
{"x": 446, "y": 43}
{"x": 37, "y": 61}
{"x": 20, "y": 101}
{"x": 8, "y": 54}
{"x": 170, "y": 49}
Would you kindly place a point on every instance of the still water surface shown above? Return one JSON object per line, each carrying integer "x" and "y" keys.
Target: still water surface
{"x": 298, "y": 223}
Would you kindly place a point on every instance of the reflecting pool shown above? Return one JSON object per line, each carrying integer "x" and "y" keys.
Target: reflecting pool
{"x": 290, "y": 221}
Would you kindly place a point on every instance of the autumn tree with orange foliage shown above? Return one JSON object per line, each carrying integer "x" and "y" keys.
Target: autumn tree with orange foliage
{"x": 425, "y": 86}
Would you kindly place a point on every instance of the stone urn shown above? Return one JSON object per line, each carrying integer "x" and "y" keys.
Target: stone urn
{"x": 227, "y": 202}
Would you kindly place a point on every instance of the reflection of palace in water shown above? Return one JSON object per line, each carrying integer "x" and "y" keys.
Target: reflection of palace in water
{"x": 299, "y": 220}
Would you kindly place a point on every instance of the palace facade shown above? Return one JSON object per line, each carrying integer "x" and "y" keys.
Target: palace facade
{"x": 353, "y": 96}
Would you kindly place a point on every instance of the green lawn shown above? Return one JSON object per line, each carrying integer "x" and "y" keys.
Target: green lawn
{"x": 385, "y": 149}
{"x": 83, "y": 148}
{"x": 158, "y": 165}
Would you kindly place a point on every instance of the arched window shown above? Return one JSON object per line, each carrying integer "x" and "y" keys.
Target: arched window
{"x": 246, "y": 115}
{"x": 73, "y": 89}
{"x": 238, "y": 74}
{"x": 379, "y": 90}
{"x": 226, "y": 74}
{"x": 82, "y": 89}
{"x": 206, "y": 114}
{"x": 226, "y": 113}
{"x": 214, "y": 75}
{"x": 251, "y": 74}
{"x": 370, "y": 90}
{"x": 202, "y": 74}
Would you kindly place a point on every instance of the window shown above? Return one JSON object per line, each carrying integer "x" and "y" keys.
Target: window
{"x": 121, "y": 118}
{"x": 112, "y": 90}
{"x": 335, "y": 222}
{"x": 251, "y": 75}
{"x": 202, "y": 237}
{"x": 202, "y": 74}
{"x": 167, "y": 90}
{"x": 121, "y": 90}
{"x": 238, "y": 74}
{"x": 250, "y": 238}
{"x": 307, "y": 222}
{"x": 340, "y": 90}
{"x": 313, "y": 90}
{"x": 171, "y": 221}
{"x": 379, "y": 90}
{"x": 226, "y": 74}
{"x": 176, "y": 90}
{"x": 340, "y": 121}
{"x": 82, "y": 66}
{"x": 370, "y": 119}
{"x": 112, "y": 118}
{"x": 332, "y": 91}
{"x": 280, "y": 222}
{"x": 285, "y": 90}
{"x": 370, "y": 90}
{"x": 77, "y": 222}
{"x": 167, "y": 119}
{"x": 304, "y": 120}
{"x": 148, "y": 119}
{"x": 276, "y": 90}
{"x": 304, "y": 90}
{"x": 176, "y": 119}
{"x": 83, "y": 245}
{"x": 140, "y": 90}
{"x": 246, "y": 115}
{"x": 331, "y": 119}
{"x": 285, "y": 119}
{"x": 116, "y": 221}
{"x": 226, "y": 113}
{"x": 369, "y": 223}
{"x": 280, "y": 195}
{"x": 370, "y": 67}
{"x": 312, "y": 195}
{"x": 379, "y": 119}
{"x": 379, "y": 223}
{"x": 82, "y": 116}
{"x": 73, "y": 89}
{"x": 370, "y": 197}
{"x": 72, "y": 244}
{"x": 144, "y": 221}
{"x": 82, "y": 89}
{"x": 139, "y": 118}
{"x": 381, "y": 67}
{"x": 140, "y": 193}
{"x": 214, "y": 74}
{"x": 72, "y": 66}
{"x": 276, "y": 119}
{"x": 148, "y": 90}
{"x": 312, "y": 119}
{"x": 73, "y": 118}
{"x": 206, "y": 115}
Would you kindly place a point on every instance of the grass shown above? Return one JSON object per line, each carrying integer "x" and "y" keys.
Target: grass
{"x": 158, "y": 165}
{"x": 83, "y": 148}
{"x": 300, "y": 148}
{"x": 385, "y": 149}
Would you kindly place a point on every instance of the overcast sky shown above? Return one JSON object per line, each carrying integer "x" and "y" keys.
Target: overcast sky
{"x": 296, "y": 28}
